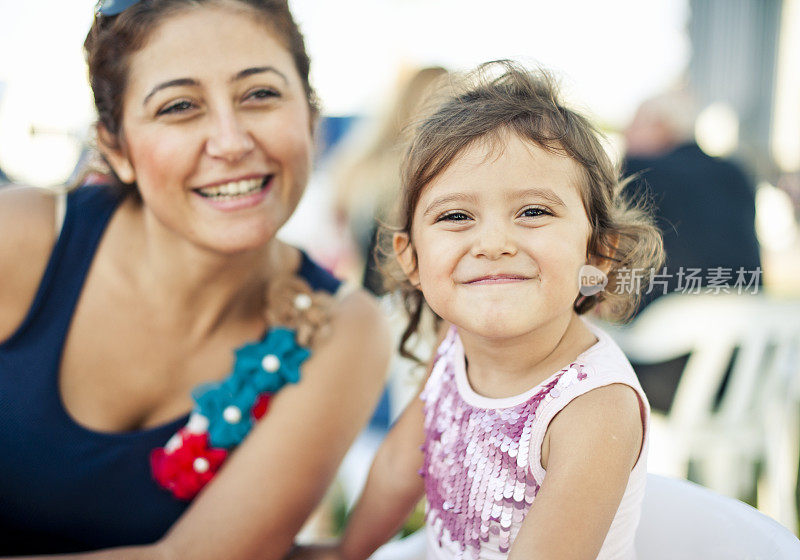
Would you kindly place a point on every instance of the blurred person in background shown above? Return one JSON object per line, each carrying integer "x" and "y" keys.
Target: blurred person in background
{"x": 125, "y": 424}
{"x": 366, "y": 173}
{"x": 704, "y": 206}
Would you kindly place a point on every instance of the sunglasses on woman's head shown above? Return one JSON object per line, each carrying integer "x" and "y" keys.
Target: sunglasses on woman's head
{"x": 114, "y": 7}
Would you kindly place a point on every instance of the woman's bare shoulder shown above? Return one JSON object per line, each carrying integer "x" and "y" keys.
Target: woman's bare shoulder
{"x": 359, "y": 323}
{"x": 27, "y": 234}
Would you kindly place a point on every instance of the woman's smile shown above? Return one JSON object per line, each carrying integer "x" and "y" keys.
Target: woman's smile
{"x": 237, "y": 194}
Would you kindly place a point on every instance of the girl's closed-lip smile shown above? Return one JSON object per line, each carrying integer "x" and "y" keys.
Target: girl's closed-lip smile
{"x": 490, "y": 279}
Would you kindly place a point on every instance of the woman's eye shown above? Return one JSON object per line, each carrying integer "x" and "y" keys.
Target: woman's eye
{"x": 177, "y": 107}
{"x": 263, "y": 93}
{"x": 534, "y": 211}
{"x": 453, "y": 217}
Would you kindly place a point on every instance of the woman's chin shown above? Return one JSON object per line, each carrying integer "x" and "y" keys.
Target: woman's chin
{"x": 237, "y": 242}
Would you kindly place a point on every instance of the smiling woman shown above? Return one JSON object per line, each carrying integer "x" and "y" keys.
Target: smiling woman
{"x": 119, "y": 398}
{"x": 237, "y": 100}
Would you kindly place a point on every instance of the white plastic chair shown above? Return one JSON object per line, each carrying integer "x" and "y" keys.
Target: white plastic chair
{"x": 756, "y": 421}
{"x": 682, "y": 521}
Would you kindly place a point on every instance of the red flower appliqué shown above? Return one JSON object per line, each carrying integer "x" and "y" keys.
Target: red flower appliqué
{"x": 184, "y": 469}
{"x": 261, "y": 405}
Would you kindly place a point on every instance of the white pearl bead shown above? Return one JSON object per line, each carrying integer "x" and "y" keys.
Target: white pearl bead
{"x": 271, "y": 363}
{"x": 197, "y": 423}
{"x": 232, "y": 414}
{"x": 302, "y": 302}
{"x": 201, "y": 465}
{"x": 173, "y": 443}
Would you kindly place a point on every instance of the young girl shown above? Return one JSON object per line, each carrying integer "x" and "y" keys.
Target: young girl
{"x": 532, "y": 425}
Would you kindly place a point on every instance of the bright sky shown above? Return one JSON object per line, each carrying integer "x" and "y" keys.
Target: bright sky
{"x": 610, "y": 55}
{"x": 613, "y": 53}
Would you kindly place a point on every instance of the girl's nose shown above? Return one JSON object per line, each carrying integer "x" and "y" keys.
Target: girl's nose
{"x": 229, "y": 139}
{"x": 493, "y": 243}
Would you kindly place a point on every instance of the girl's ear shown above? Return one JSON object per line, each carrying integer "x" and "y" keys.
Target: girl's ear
{"x": 116, "y": 156}
{"x": 606, "y": 253}
{"x": 404, "y": 253}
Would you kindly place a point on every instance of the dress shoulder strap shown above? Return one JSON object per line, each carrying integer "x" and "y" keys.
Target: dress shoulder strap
{"x": 317, "y": 277}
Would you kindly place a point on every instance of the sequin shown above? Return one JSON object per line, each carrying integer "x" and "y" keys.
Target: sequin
{"x": 477, "y": 479}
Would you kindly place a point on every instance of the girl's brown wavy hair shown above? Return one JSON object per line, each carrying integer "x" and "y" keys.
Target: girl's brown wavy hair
{"x": 503, "y": 97}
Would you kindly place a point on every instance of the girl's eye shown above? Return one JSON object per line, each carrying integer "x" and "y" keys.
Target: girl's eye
{"x": 453, "y": 217}
{"x": 534, "y": 211}
{"x": 177, "y": 107}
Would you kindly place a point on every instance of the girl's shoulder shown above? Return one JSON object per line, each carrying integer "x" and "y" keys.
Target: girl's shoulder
{"x": 605, "y": 362}
{"x": 27, "y": 235}
{"x": 597, "y": 395}
{"x": 604, "y": 380}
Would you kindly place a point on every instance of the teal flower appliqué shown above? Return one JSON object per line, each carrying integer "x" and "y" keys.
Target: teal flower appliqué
{"x": 260, "y": 367}
{"x": 271, "y": 363}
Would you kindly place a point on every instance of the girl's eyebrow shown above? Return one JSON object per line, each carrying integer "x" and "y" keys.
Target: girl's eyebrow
{"x": 447, "y": 199}
{"x": 192, "y": 82}
{"x": 548, "y": 194}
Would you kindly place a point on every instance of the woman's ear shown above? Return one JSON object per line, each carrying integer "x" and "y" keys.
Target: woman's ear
{"x": 116, "y": 156}
{"x": 404, "y": 253}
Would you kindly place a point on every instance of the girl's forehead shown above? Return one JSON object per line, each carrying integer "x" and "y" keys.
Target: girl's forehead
{"x": 502, "y": 164}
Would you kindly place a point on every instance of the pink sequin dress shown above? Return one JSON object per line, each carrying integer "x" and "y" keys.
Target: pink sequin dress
{"x": 482, "y": 465}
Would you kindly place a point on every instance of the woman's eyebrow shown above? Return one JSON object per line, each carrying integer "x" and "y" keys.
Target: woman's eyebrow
{"x": 259, "y": 70}
{"x": 168, "y": 84}
{"x": 192, "y": 82}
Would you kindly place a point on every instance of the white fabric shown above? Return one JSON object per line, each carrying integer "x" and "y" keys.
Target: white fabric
{"x": 684, "y": 521}
{"x": 680, "y": 521}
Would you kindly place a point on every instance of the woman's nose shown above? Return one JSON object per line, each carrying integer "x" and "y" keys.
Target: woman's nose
{"x": 493, "y": 242}
{"x": 229, "y": 139}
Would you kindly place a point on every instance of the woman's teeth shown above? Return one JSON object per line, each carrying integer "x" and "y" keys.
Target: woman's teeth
{"x": 234, "y": 188}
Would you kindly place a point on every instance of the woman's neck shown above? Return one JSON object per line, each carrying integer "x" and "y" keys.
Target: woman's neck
{"x": 505, "y": 367}
{"x": 193, "y": 288}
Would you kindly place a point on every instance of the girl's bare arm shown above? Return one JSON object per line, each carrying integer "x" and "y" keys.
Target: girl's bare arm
{"x": 393, "y": 487}
{"x": 592, "y": 446}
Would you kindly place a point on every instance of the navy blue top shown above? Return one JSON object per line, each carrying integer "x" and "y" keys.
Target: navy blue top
{"x": 63, "y": 487}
